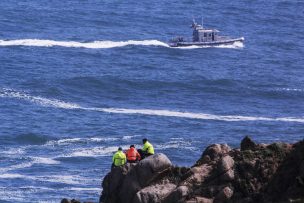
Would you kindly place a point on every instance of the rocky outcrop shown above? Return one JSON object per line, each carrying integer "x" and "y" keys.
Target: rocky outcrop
{"x": 253, "y": 173}
{"x": 136, "y": 182}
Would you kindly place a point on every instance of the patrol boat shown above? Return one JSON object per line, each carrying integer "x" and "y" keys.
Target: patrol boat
{"x": 203, "y": 37}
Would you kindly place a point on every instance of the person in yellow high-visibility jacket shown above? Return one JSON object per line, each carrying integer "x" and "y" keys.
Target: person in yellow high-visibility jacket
{"x": 119, "y": 158}
{"x": 147, "y": 149}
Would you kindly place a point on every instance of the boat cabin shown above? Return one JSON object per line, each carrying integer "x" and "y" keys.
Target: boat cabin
{"x": 201, "y": 34}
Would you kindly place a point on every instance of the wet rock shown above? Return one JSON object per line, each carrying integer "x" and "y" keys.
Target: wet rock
{"x": 225, "y": 194}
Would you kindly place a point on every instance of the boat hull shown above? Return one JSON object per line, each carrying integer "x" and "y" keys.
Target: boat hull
{"x": 202, "y": 44}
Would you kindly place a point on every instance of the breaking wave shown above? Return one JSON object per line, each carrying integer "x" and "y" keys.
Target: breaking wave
{"x": 149, "y": 112}
{"x": 103, "y": 44}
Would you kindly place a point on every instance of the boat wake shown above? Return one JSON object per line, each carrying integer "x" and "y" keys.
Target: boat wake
{"x": 10, "y": 93}
{"x": 101, "y": 44}
{"x": 88, "y": 45}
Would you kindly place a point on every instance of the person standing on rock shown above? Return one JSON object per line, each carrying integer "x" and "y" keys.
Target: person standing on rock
{"x": 132, "y": 155}
{"x": 119, "y": 158}
{"x": 147, "y": 149}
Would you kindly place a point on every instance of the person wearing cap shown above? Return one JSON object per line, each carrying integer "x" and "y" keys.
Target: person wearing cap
{"x": 147, "y": 149}
{"x": 132, "y": 155}
{"x": 119, "y": 158}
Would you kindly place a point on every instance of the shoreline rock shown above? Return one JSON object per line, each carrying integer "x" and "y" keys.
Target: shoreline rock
{"x": 253, "y": 173}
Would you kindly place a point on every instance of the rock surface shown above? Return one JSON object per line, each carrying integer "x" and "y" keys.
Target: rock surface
{"x": 255, "y": 173}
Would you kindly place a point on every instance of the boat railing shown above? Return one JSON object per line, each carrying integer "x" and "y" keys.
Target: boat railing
{"x": 223, "y": 38}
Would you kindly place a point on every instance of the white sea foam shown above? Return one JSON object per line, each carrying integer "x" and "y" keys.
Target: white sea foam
{"x": 34, "y": 160}
{"x": 13, "y": 152}
{"x": 11, "y": 175}
{"x": 149, "y": 112}
{"x": 17, "y": 166}
{"x": 67, "y": 179}
{"x": 85, "y": 189}
{"x": 176, "y": 144}
{"x": 88, "y": 45}
{"x": 68, "y": 141}
{"x": 11, "y": 195}
{"x": 10, "y": 93}
{"x": 43, "y": 160}
{"x": 292, "y": 89}
{"x": 201, "y": 116}
{"x": 95, "y": 151}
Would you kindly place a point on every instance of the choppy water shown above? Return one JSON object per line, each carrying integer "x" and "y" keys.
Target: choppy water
{"x": 79, "y": 79}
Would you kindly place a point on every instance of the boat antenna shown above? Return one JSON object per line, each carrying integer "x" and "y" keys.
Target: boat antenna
{"x": 202, "y": 22}
{"x": 193, "y": 20}
{"x": 193, "y": 23}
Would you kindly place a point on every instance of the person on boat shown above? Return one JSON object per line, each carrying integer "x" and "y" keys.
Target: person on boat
{"x": 147, "y": 149}
{"x": 119, "y": 158}
{"x": 132, "y": 155}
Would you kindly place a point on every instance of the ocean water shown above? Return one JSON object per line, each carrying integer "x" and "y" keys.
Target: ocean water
{"x": 80, "y": 78}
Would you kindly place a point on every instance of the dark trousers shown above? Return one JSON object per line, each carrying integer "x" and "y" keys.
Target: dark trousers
{"x": 132, "y": 161}
{"x": 143, "y": 154}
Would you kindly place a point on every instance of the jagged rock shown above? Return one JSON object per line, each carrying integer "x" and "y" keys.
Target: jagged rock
{"x": 112, "y": 182}
{"x": 225, "y": 167}
{"x": 225, "y": 164}
{"x": 153, "y": 193}
{"x": 200, "y": 200}
{"x": 65, "y": 200}
{"x": 213, "y": 153}
{"x": 247, "y": 144}
{"x": 224, "y": 195}
{"x": 216, "y": 151}
{"x": 177, "y": 195}
{"x": 228, "y": 176}
{"x": 256, "y": 173}
{"x": 122, "y": 183}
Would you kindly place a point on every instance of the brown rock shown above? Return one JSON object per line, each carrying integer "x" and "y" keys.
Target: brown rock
{"x": 200, "y": 200}
{"x": 228, "y": 176}
{"x": 178, "y": 195}
{"x": 154, "y": 193}
{"x": 225, "y": 194}
{"x": 216, "y": 151}
{"x": 225, "y": 164}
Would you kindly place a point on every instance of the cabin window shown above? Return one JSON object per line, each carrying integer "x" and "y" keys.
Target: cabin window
{"x": 205, "y": 34}
{"x": 209, "y": 34}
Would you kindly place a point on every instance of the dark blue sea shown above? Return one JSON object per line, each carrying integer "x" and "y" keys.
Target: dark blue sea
{"x": 78, "y": 79}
